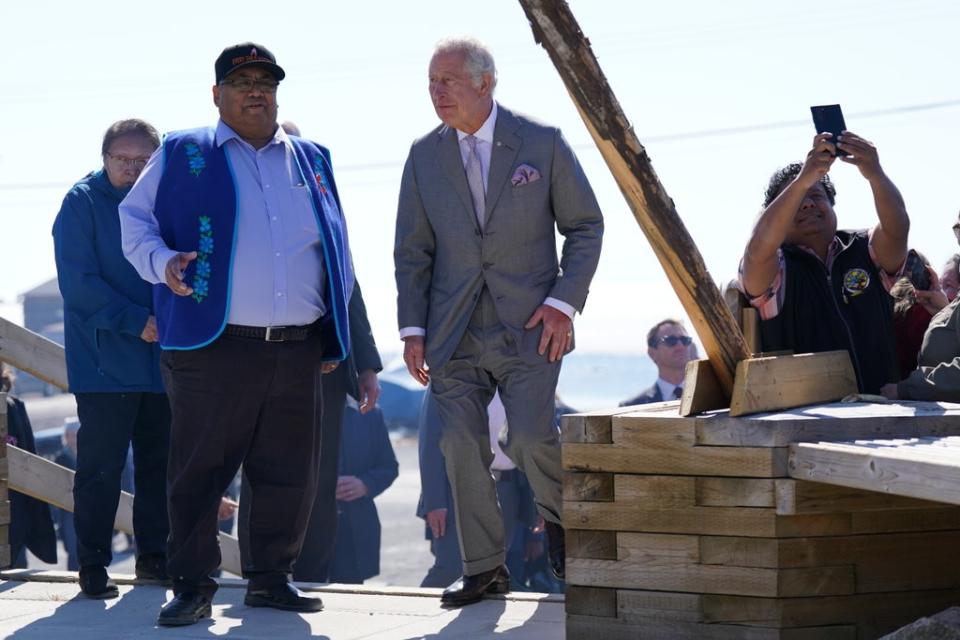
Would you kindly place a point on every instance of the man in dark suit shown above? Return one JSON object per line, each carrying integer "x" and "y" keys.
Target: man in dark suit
{"x": 670, "y": 348}
{"x": 484, "y": 300}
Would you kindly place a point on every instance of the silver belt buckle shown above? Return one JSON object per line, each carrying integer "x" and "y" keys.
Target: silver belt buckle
{"x": 269, "y": 337}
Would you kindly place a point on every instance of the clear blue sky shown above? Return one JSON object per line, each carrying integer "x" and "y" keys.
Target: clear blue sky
{"x": 356, "y": 81}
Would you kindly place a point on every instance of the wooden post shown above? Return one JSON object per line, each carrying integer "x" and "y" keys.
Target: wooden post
{"x": 5, "y": 558}
{"x": 555, "y": 27}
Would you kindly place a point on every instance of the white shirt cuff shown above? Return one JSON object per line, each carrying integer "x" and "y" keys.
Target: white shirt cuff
{"x": 406, "y": 332}
{"x": 159, "y": 261}
{"x": 560, "y": 305}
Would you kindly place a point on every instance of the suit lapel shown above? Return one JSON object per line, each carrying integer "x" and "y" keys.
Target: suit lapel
{"x": 506, "y": 146}
{"x": 448, "y": 154}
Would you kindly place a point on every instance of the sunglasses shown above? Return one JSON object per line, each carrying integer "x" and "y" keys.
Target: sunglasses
{"x": 672, "y": 341}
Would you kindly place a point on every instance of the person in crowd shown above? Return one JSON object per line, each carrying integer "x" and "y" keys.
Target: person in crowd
{"x": 241, "y": 226}
{"x": 817, "y": 288}
{"x": 66, "y": 529}
{"x": 917, "y": 297}
{"x": 368, "y": 466}
{"x": 523, "y": 526}
{"x": 950, "y": 277}
{"x": 669, "y": 346}
{"x": 110, "y": 337}
{"x": 937, "y": 376}
{"x": 482, "y": 305}
{"x": 31, "y": 526}
{"x": 356, "y": 377}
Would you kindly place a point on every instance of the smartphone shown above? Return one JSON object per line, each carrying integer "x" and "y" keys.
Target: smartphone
{"x": 916, "y": 270}
{"x": 828, "y": 118}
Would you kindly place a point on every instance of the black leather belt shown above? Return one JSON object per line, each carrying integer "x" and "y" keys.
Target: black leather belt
{"x": 270, "y": 334}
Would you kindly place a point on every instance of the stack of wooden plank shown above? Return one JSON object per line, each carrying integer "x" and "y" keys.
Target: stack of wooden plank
{"x": 692, "y": 528}
{"x": 4, "y": 494}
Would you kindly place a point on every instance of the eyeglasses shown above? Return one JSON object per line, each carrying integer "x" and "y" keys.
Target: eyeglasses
{"x": 125, "y": 162}
{"x": 672, "y": 341}
{"x": 246, "y": 85}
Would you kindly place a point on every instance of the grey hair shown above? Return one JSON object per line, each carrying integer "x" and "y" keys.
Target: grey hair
{"x": 478, "y": 59}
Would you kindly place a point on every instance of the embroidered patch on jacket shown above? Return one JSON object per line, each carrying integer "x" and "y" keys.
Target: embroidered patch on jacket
{"x": 201, "y": 276}
{"x": 320, "y": 173}
{"x": 855, "y": 282}
{"x": 195, "y": 158}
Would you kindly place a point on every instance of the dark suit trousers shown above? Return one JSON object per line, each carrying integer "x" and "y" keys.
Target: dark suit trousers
{"x": 110, "y": 423}
{"x": 241, "y": 401}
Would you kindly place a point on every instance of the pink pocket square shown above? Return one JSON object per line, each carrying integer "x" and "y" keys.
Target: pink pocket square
{"x": 525, "y": 174}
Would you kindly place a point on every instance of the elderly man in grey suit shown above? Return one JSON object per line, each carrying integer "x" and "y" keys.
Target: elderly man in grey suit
{"x": 484, "y": 303}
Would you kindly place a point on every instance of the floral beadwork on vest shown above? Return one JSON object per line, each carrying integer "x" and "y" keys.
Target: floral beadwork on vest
{"x": 201, "y": 277}
{"x": 320, "y": 174}
{"x": 195, "y": 158}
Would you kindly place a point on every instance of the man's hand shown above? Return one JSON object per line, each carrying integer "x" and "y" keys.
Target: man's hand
{"x": 863, "y": 155}
{"x": 889, "y": 391}
{"x": 819, "y": 160}
{"x": 350, "y": 488}
{"x": 557, "y": 331}
{"x": 413, "y": 356}
{"x": 328, "y": 367}
{"x": 935, "y": 299}
{"x": 226, "y": 509}
{"x": 174, "y": 273}
{"x": 437, "y": 521}
{"x": 369, "y": 390}
{"x": 149, "y": 333}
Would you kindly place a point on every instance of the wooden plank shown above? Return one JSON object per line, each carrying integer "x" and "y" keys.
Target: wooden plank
{"x": 633, "y": 605}
{"x": 5, "y": 511}
{"x": 836, "y": 421}
{"x": 735, "y": 492}
{"x": 654, "y": 492}
{"x": 39, "y": 478}
{"x": 598, "y": 545}
{"x": 597, "y": 487}
{"x": 697, "y": 578}
{"x": 31, "y": 352}
{"x": 750, "y": 323}
{"x": 555, "y": 27}
{"x": 759, "y": 462}
{"x": 592, "y": 628}
{"x": 904, "y": 471}
{"x": 782, "y": 382}
{"x": 702, "y": 390}
{"x": 591, "y": 601}
{"x": 5, "y": 559}
{"x": 799, "y": 496}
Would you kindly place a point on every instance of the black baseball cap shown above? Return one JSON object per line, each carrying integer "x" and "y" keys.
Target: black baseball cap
{"x": 245, "y": 55}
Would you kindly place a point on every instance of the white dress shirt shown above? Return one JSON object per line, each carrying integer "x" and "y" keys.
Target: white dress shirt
{"x": 484, "y": 136}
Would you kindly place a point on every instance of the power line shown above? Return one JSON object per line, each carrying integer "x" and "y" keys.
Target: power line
{"x": 670, "y": 137}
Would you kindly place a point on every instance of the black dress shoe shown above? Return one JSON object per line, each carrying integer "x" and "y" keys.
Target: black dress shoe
{"x": 185, "y": 608}
{"x": 94, "y": 583}
{"x": 556, "y": 550}
{"x": 282, "y": 596}
{"x": 152, "y": 566}
{"x": 470, "y": 589}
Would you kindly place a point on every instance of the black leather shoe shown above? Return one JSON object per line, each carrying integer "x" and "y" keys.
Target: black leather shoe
{"x": 470, "y": 589}
{"x": 185, "y": 608}
{"x": 95, "y": 583}
{"x": 282, "y": 596}
{"x": 556, "y": 550}
{"x": 152, "y": 566}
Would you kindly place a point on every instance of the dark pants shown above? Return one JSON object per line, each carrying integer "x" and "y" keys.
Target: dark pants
{"x": 241, "y": 401}
{"x": 316, "y": 554}
{"x": 109, "y": 423}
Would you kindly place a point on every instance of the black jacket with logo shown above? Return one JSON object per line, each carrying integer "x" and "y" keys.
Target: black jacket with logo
{"x": 845, "y": 308}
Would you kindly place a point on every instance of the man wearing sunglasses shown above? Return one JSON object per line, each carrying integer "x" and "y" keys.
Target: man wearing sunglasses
{"x": 670, "y": 348}
{"x": 241, "y": 226}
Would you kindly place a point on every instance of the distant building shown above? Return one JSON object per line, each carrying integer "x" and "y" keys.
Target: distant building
{"x": 43, "y": 314}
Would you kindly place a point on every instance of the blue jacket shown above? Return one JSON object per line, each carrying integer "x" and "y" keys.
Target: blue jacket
{"x": 105, "y": 302}
{"x": 197, "y": 209}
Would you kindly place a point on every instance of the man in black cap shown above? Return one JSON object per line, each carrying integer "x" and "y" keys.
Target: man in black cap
{"x": 243, "y": 225}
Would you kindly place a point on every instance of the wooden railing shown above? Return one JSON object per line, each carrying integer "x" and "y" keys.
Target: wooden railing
{"x": 38, "y": 477}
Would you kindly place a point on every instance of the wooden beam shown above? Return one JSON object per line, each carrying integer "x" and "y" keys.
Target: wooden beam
{"x": 701, "y": 389}
{"x": 41, "y": 479}
{"x": 31, "y": 352}
{"x": 555, "y": 27}
{"x": 925, "y": 468}
{"x": 783, "y": 382}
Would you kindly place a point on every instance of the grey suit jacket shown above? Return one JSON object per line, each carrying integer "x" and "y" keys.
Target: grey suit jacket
{"x": 443, "y": 259}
